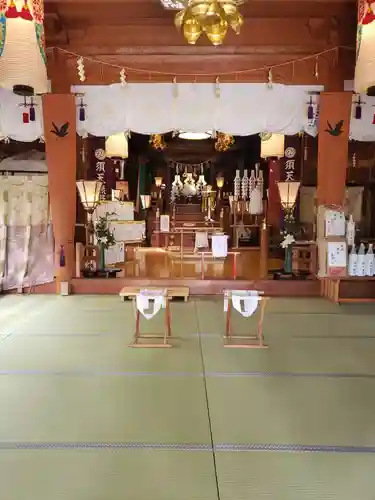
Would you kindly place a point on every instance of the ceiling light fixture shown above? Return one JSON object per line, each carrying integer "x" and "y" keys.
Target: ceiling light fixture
{"x": 212, "y": 17}
{"x": 194, "y": 136}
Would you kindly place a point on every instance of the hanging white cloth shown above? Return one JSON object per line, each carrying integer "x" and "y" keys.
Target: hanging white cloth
{"x": 256, "y": 202}
{"x": 244, "y": 301}
{"x": 201, "y": 240}
{"x": 219, "y": 246}
{"x": 149, "y": 302}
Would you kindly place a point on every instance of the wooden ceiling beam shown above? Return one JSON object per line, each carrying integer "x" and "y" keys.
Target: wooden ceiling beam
{"x": 189, "y": 53}
{"x": 119, "y": 12}
{"x": 255, "y": 32}
{"x": 196, "y": 69}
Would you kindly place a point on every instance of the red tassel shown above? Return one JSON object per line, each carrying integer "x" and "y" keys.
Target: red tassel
{"x": 25, "y": 12}
{"x": 373, "y": 120}
{"x": 25, "y": 117}
{"x": 12, "y": 12}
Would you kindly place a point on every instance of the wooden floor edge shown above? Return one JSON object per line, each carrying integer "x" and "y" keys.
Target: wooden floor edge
{"x": 272, "y": 288}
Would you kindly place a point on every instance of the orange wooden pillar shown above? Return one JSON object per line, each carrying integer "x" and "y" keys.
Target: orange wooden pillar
{"x": 334, "y": 123}
{"x": 59, "y": 116}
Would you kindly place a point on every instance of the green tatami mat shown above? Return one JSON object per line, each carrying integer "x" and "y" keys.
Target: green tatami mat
{"x": 103, "y": 409}
{"x": 300, "y": 322}
{"x": 107, "y": 475}
{"x": 300, "y": 355}
{"x": 292, "y": 410}
{"x": 20, "y": 310}
{"x": 288, "y": 476}
{"x": 96, "y": 354}
{"x": 65, "y": 319}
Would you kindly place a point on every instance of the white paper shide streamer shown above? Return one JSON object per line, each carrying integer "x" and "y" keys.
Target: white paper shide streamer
{"x": 22, "y": 47}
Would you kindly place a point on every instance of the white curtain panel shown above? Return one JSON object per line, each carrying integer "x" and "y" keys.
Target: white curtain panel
{"x": 26, "y": 240}
{"x": 151, "y": 108}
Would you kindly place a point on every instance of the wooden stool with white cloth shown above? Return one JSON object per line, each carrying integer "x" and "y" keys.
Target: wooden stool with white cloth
{"x": 246, "y": 303}
{"x": 219, "y": 246}
{"x": 147, "y": 304}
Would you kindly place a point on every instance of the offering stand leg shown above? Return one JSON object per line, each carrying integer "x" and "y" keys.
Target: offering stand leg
{"x": 229, "y": 337}
{"x": 138, "y": 336}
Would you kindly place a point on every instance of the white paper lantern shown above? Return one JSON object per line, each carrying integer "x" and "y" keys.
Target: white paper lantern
{"x": 365, "y": 65}
{"x": 22, "y": 47}
{"x": 116, "y": 146}
{"x": 273, "y": 147}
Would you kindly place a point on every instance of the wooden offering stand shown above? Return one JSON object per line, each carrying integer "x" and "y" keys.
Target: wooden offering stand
{"x": 165, "y": 337}
{"x": 229, "y": 337}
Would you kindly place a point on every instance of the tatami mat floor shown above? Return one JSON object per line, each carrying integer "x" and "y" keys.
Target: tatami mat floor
{"x": 83, "y": 417}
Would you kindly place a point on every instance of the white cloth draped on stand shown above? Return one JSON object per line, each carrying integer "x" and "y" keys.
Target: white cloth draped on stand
{"x": 201, "y": 240}
{"x": 256, "y": 202}
{"x": 149, "y": 302}
{"x": 244, "y": 301}
{"x": 219, "y": 246}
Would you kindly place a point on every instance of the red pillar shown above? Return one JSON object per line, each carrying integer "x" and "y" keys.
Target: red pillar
{"x": 335, "y": 108}
{"x": 59, "y": 116}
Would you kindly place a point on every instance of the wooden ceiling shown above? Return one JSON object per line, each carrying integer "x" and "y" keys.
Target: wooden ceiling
{"x": 140, "y": 34}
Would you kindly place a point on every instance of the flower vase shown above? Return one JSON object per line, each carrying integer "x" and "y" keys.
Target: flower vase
{"x": 101, "y": 257}
{"x": 288, "y": 268}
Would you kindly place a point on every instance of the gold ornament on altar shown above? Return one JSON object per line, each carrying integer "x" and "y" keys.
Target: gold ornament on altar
{"x": 157, "y": 142}
{"x": 223, "y": 142}
{"x": 212, "y": 17}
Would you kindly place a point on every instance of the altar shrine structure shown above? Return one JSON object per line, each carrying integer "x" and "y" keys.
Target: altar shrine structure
{"x": 181, "y": 166}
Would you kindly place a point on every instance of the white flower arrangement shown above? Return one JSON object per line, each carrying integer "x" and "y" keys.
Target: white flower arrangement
{"x": 288, "y": 240}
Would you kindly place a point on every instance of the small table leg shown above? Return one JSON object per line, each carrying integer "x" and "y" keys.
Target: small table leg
{"x": 228, "y": 329}
{"x": 234, "y": 269}
{"x": 137, "y": 332}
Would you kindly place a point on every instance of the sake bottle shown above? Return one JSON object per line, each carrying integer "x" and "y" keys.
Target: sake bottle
{"x": 360, "y": 271}
{"x": 352, "y": 265}
{"x": 369, "y": 261}
{"x": 350, "y": 231}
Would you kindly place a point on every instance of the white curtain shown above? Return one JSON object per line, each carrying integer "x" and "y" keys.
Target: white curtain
{"x": 150, "y": 108}
{"x": 26, "y": 240}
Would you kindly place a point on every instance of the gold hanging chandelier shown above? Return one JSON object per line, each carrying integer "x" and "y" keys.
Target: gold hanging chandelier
{"x": 212, "y": 17}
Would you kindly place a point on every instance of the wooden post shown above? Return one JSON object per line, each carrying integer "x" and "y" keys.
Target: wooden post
{"x": 59, "y": 117}
{"x": 333, "y": 138}
{"x": 274, "y": 212}
{"x": 263, "y": 250}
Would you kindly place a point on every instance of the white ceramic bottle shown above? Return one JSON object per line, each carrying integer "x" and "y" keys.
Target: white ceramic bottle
{"x": 369, "y": 261}
{"x": 350, "y": 231}
{"x": 360, "y": 271}
{"x": 352, "y": 265}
